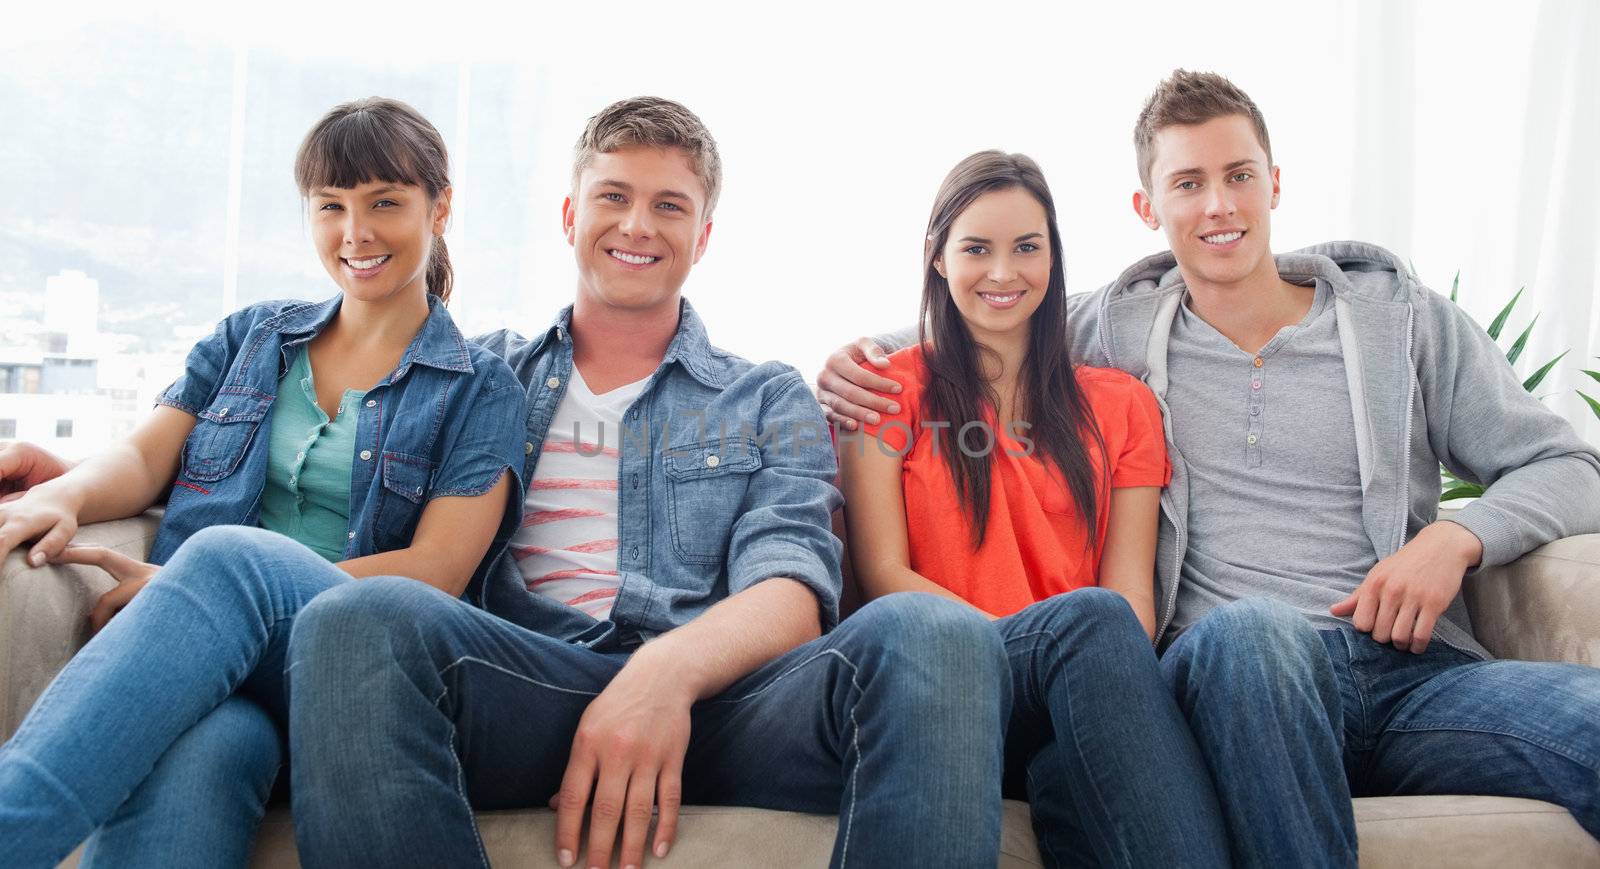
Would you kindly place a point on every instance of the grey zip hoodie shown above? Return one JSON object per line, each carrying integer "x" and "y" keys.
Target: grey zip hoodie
{"x": 1427, "y": 385}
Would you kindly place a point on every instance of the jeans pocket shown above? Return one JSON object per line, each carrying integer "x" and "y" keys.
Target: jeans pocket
{"x": 222, "y": 434}
{"x": 707, "y": 480}
{"x": 405, "y": 493}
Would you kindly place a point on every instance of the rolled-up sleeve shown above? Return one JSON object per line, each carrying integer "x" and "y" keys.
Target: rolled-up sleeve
{"x": 785, "y": 525}
{"x": 206, "y": 366}
{"x": 487, "y": 435}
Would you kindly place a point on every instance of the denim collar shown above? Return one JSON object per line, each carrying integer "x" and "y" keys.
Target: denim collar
{"x": 690, "y": 347}
{"x": 438, "y": 344}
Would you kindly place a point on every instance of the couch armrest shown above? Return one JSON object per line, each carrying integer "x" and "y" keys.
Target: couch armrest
{"x": 1545, "y": 606}
{"x": 44, "y": 611}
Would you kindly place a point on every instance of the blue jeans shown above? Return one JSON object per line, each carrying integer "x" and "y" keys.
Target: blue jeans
{"x": 410, "y": 705}
{"x": 175, "y": 694}
{"x": 1293, "y": 721}
{"x": 1113, "y": 776}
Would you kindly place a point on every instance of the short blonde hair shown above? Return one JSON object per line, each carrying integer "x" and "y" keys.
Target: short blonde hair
{"x": 657, "y": 123}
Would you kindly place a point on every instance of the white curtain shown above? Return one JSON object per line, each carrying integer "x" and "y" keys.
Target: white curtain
{"x": 1477, "y": 148}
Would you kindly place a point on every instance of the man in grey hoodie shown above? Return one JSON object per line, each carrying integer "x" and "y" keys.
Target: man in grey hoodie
{"x": 1309, "y": 604}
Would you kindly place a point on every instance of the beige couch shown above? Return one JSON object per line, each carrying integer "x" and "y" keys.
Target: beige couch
{"x": 1544, "y": 607}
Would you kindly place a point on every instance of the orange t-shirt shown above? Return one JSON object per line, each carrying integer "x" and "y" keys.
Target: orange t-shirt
{"x": 1034, "y": 545}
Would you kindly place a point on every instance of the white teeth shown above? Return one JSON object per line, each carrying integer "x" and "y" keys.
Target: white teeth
{"x": 1222, "y": 238}
{"x": 368, "y": 263}
{"x": 1001, "y": 299}
{"x": 631, "y": 259}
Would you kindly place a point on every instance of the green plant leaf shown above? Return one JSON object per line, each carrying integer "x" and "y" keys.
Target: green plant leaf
{"x": 1538, "y": 376}
{"x": 1465, "y": 490}
{"x": 1521, "y": 342}
{"x": 1499, "y": 320}
{"x": 1594, "y": 374}
{"x": 1454, "y": 285}
{"x": 1593, "y": 405}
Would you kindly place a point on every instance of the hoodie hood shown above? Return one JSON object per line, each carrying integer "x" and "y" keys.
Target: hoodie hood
{"x": 1356, "y": 267}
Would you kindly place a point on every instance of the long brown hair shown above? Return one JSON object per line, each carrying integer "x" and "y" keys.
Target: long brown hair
{"x": 379, "y": 139}
{"x": 956, "y": 392}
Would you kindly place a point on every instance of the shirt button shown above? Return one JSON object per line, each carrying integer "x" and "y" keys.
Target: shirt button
{"x": 300, "y": 457}
{"x": 712, "y": 461}
{"x": 372, "y": 402}
{"x": 419, "y": 490}
{"x": 1255, "y": 411}
{"x": 350, "y": 536}
{"x": 634, "y": 552}
{"x": 1251, "y": 439}
{"x": 293, "y": 480}
{"x": 366, "y": 455}
{"x": 553, "y": 382}
{"x": 1259, "y": 363}
{"x": 222, "y": 412}
{"x": 527, "y": 448}
{"x": 1255, "y": 384}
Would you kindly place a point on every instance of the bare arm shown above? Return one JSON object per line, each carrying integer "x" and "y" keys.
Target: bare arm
{"x": 125, "y": 480}
{"x": 875, "y": 516}
{"x": 24, "y": 465}
{"x": 1128, "y": 562}
{"x": 451, "y": 539}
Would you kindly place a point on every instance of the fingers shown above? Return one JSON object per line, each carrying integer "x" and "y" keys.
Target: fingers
{"x": 1366, "y": 607}
{"x": 849, "y": 400}
{"x": 845, "y": 368}
{"x": 1388, "y": 609}
{"x": 1424, "y": 632}
{"x": 110, "y": 604}
{"x": 16, "y": 530}
{"x": 610, "y": 795}
{"x": 571, "y": 802}
{"x": 120, "y": 566}
{"x": 6, "y": 499}
{"x": 1344, "y": 608}
{"x": 636, "y": 817}
{"x": 868, "y": 349}
{"x": 669, "y": 798}
{"x": 53, "y": 541}
{"x": 1405, "y": 624}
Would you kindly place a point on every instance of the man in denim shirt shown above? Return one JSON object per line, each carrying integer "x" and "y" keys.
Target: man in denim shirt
{"x": 705, "y": 681}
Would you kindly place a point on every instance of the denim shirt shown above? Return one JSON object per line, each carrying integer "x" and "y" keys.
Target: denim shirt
{"x": 725, "y": 478}
{"x": 446, "y": 421}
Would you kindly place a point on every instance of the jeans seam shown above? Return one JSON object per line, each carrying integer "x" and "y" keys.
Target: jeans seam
{"x": 1550, "y": 745}
{"x": 1044, "y": 843}
{"x": 1034, "y": 700}
{"x": 461, "y": 773}
{"x": 855, "y": 732}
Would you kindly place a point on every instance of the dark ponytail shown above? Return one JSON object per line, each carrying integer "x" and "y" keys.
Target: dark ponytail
{"x": 379, "y": 139}
{"x": 440, "y": 276}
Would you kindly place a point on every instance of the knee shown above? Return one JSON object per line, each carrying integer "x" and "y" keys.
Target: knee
{"x": 1255, "y": 628}
{"x": 237, "y": 741}
{"x": 942, "y": 635}
{"x": 221, "y": 556}
{"x": 1090, "y": 610}
{"x": 355, "y": 621}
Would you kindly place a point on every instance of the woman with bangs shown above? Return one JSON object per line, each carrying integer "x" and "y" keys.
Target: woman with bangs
{"x": 305, "y": 445}
{"x": 1029, "y": 489}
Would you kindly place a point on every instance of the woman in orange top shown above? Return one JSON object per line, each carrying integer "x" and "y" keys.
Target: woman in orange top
{"x": 1029, "y": 489}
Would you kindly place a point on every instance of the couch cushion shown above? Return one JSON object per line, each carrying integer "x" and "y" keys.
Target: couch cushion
{"x": 1395, "y": 832}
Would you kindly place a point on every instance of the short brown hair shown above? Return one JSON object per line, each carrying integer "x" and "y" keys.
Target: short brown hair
{"x": 1191, "y": 98}
{"x": 657, "y": 123}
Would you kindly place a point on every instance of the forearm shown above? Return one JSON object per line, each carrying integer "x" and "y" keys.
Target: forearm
{"x": 114, "y": 484}
{"x": 734, "y": 637}
{"x": 1140, "y": 595}
{"x": 880, "y": 581}
{"x": 1533, "y": 505}
{"x": 409, "y": 562}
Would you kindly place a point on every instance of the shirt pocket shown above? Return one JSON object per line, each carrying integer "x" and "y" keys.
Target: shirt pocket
{"x": 707, "y": 482}
{"x": 404, "y": 494}
{"x": 222, "y": 434}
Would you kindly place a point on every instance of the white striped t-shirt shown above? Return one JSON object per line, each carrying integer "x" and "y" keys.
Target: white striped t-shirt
{"x": 567, "y": 545}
